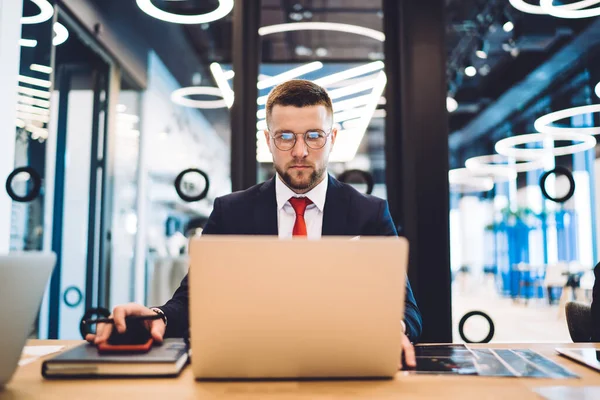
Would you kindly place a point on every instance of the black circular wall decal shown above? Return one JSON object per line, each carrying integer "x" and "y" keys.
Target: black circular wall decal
{"x": 84, "y": 328}
{"x": 181, "y": 190}
{"x": 35, "y": 178}
{"x": 365, "y": 176}
{"x": 463, "y": 320}
{"x": 556, "y": 171}
{"x": 79, "y": 298}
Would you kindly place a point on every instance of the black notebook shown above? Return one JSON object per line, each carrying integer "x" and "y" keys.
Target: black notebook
{"x": 83, "y": 361}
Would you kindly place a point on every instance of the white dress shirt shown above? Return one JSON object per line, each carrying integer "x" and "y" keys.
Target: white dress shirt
{"x": 313, "y": 216}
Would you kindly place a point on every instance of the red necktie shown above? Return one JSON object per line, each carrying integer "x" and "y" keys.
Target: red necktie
{"x": 299, "y": 204}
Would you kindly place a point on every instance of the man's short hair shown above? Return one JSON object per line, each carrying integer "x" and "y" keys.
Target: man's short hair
{"x": 298, "y": 93}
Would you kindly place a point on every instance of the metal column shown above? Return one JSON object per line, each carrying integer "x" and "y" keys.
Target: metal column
{"x": 246, "y": 60}
{"x": 64, "y": 87}
{"x": 417, "y": 152}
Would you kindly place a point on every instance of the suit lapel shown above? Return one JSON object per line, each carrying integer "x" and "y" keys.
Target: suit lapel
{"x": 265, "y": 210}
{"x": 335, "y": 212}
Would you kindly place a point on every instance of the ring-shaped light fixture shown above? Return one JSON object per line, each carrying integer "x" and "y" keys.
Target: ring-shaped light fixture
{"x": 464, "y": 181}
{"x": 561, "y": 12}
{"x": 463, "y": 321}
{"x": 497, "y": 164}
{"x": 28, "y": 42}
{"x": 597, "y": 89}
{"x": 224, "y": 8}
{"x": 179, "y": 96}
{"x": 366, "y": 177}
{"x": 46, "y": 12}
{"x": 181, "y": 190}
{"x": 323, "y": 26}
{"x": 498, "y": 173}
{"x": 309, "y": 26}
{"x": 507, "y": 147}
{"x": 542, "y": 124}
{"x": 529, "y": 8}
{"x": 558, "y": 170}
{"x": 72, "y": 302}
{"x": 61, "y": 34}
{"x": 36, "y": 181}
{"x": 84, "y": 327}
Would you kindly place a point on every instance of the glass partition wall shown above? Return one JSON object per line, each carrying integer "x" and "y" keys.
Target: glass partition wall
{"x": 522, "y": 103}
{"x": 102, "y": 143}
{"x": 339, "y": 46}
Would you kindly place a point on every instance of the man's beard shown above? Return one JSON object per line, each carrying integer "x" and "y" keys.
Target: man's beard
{"x": 315, "y": 178}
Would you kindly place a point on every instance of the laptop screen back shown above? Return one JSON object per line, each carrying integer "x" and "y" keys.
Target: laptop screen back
{"x": 269, "y": 308}
{"x": 23, "y": 279}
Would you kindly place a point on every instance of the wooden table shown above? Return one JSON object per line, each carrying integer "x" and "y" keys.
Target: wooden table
{"x": 27, "y": 383}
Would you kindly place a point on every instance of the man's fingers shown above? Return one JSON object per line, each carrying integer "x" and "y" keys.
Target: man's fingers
{"x": 157, "y": 330}
{"x": 409, "y": 352}
{"x": 103, "y": 332}
{"x": 119, "y": 318}
{"x": 90, "y": 337}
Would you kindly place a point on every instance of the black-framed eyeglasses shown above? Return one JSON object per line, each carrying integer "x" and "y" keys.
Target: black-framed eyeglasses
{"x": 314, "y": 138}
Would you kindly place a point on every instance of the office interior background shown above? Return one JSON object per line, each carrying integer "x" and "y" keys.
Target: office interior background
{"x": 123, "y": 120}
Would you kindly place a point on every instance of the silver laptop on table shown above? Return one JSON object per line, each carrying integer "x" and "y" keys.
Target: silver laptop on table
{"x": 270, "y": 308}
{"x": 23, "y": 280}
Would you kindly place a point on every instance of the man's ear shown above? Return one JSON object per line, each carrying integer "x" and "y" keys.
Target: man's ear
{"x": 268, "y": 139}
{"x": 334, "y": 133}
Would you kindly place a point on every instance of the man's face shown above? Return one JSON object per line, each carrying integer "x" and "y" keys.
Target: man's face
{"x": 302, "y": 167}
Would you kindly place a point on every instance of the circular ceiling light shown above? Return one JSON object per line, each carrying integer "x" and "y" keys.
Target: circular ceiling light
{"x": 501, "y": 166}
{"x": 61, "y": 34}
{"x": 507, "y": 147}
{"x": 451, "y": 104}
{"x": 482, "y": 48}
{"x": 508, "y": 26}
{"x": 529, "y": 8}
{"x": 597, "y": 89}
{"x": 322, "y": 26}
{"x": 470, "y": 71}
{"x": 464, "y": 181}
{"x": 46, "y": 12}
{"x": 561, "y": 12}
{"x": 224, "y": 8}
{"x": 180, "y": 97}
{"x": 543, "y": 123}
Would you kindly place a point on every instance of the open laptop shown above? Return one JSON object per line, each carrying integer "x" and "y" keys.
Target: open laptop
{"x": 261, "y": 307}
{"x": 23, "y": 279}
{"x": 586, "y": 356}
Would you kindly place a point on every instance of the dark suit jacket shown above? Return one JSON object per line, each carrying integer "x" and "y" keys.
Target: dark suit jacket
{"x": 596, "y": 306}
{"x": 254, "y": 212}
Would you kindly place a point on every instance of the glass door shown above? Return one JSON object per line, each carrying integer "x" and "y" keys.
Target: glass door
{"x": 78, "y": 145}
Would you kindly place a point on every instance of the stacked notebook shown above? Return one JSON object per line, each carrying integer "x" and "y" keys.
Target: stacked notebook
{"x": 165, "y": 360}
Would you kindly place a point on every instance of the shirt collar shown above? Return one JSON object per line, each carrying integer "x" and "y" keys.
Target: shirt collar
{"x": 316, "y": 195}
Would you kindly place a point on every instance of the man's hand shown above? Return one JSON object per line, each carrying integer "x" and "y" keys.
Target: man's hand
{"x": 408, "y": 352}
{"x": 156, "y": 326}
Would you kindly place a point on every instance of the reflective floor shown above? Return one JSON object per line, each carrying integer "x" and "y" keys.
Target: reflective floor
{"x": 514, "y": 320}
